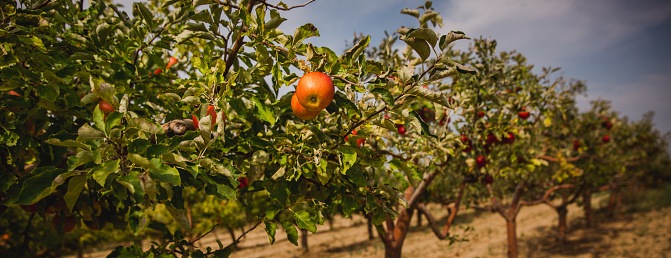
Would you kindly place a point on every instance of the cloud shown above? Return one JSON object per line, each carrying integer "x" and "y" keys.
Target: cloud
{"x": 652, "y": 92}
{"x": 554, "y": 30}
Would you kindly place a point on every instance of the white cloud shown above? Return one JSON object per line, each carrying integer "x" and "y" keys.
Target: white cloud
{"x": 553, "y": 30}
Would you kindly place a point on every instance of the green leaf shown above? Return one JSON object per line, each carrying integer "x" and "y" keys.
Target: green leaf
{"x": 270, "y": 230}
{"x": 98, "y": 118}
{"x": 357, "y": 49}
{"x": 113, "y": 119}
{"x": 275, "y": 20}
{"x": 142, "y": 161}
{"x": 263, "y": 111}
{"x": 384, "y": 94}
{"x": 164, "y": 173}
{"x": 180, "y": 217}
{"x": 305, "y": 221}
{"x": 292, "y": 233}
{"x": 86, "y": 133}
{"x": 437, "y": 74}
{"x": 348, "y": 157}
{"x": 67, "y": 143}
{"x": 49, "y": 92}
{"x": 349, "y": 206}
{"x": 420, "y": 46}
{"x": 42, "y": 182}
{"x": 356, "y": 175}
{"x": 452, "y": 36}
{"x": 133, "y": 185}
{"x": 144, "y": 13}
{"x": 413, "y": 13}
{"x": 305, "y": 31}
{"x": 101, "y": 172}
{"x": 427, "y": 94}
{"x": 144, "y": 125}
{"x": 136, "y": 220}
{"x": 424, "y": 33}
{"x": 344, "y": 102}
{"x": 33, "y": 41}
{"x": 75, "y": 187}
{"x": 424, "y": 127}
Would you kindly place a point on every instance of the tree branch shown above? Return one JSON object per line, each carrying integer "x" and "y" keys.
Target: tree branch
{"x": 450, "y": 219}
{"x": 546, "y": 195}
{"x": 239, "y": 41}
{"x": 285, "y": 8}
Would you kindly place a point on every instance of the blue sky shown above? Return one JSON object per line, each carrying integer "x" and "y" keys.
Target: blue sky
{"x": 619, "y": 47}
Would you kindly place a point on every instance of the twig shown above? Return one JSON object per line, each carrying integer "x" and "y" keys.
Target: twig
{"x": 24, "y": 246}
{"x": 285, "y": 8}
{"x": 547, "y": 194}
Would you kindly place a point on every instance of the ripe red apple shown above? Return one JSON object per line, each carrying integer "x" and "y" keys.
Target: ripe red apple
{"x": 489, "y": 179}
{"x": 213, "y": 115}
{"x": 29, "y": 208}
{"x": 315, "y": 91}
{"x": 606, "y": 139}
{"x": 171, "y": 62}
{"x": 195, "y": 121}
{"x": 523, "y": 114}
{"x": 105, "y": 107}
{"x": 93, "y": 226}
{"x": 243, "y": 182}
{"x": 386, "y": 116}
{"x": 491, "y": 138}
{"x": 69, "y": 223}
{"x": 158, "y": 71}
{"x": 300, "y": 111}
{"x": 401, "y": 129}
{"x": 481, "y": 114}
{"x": 467, "y": 142}
{"x": 509, "y": 139}
{"x": 481, "y": 161}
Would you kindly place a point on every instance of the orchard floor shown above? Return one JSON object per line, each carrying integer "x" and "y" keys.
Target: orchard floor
{"x": 640, "y": 228}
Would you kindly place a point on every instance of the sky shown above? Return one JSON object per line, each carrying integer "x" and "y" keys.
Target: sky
{"x": 619, "y": 47}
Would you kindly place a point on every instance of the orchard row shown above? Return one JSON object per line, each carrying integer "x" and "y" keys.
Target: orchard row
{"x": 168, "y": 124}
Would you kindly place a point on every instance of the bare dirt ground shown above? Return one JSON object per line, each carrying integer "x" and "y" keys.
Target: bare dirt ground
{"x": 632, "y": 232}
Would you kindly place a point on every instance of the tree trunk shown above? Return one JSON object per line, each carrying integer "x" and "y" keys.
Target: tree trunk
{"x": 512, "y": 237}
{"x": 614, "y": 191}
{"x": 392, "y": 251}
{"x": 587, "y": 208}
{"x": 561, "y": 234}
{"x": 231, "y": 232}
{"x": 304, "y": 240}
{"x": 370, "y": 228}
{"x": 419, "y": 218}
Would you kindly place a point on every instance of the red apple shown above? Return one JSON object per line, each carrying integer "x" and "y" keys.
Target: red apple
{"x": 401, "y": 129}
{"x": 509, "y": 139}
{"x": 158, "y": 71}
{"x": 481, "y": 161}
{"x": 489, "y": 179}
{"x": 243, "y": 182}
{"x": 29, "y": 208}
{"x": 523, "y": 114}
{"x": 105, "y": 107}
{"x": 481, "y": 114}
{"x": 467, "y": 142}
{"x": 171, "y": 62}
{"x": 69, "y": 223}
{"x": 491, "y": 138}
{"x": 606, "y": 139}
{"x": 195, "y": 121}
